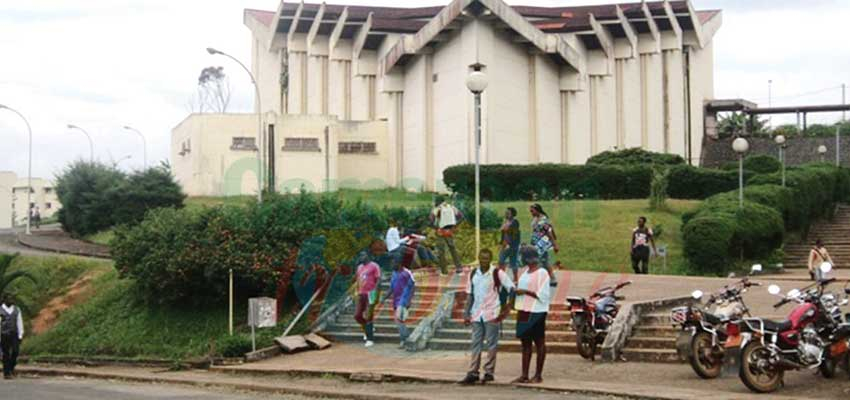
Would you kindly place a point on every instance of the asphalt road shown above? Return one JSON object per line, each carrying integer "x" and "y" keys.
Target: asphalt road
{"x": 83, "y": 389}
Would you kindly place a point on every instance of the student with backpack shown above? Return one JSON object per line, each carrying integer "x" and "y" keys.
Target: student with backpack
{"x": 485, "y": 310}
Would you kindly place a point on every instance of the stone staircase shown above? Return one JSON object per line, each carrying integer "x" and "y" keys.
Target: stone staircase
{"x": 834, "y": 233}
{"x": 429, "y": 288}
{"x": 653, "y": 339}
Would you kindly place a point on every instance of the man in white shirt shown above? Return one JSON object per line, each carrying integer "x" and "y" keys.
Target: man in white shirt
{"x": 11, "y": 334}
{"x": 445, "y": 217}
{"x": 485, "y": 311}
{"x": 394, "y": 244}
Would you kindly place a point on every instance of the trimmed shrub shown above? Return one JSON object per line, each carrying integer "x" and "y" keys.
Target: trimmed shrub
{"x": 762, "y": 164}
{"x": 635, "y": 156}
{"x": 706, "y": 242}
{"x": 686, "y": 182}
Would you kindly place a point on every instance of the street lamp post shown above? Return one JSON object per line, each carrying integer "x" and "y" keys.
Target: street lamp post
{"x": 780, "y": 141}
{"x": 822, "y": 152}
{"x": 91, "y": 143}
{"x": 29, "y": 165}
{"x": 260, "y": 141}
{"x": 741, "y": 146}
{"x": 476, "y": 82}
{"x": 770, "y": 101}
{"x": 144, "y": 145}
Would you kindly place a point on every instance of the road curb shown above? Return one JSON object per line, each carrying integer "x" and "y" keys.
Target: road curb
{"x": 19, "y": 237}
{"x": 250, "y": 387}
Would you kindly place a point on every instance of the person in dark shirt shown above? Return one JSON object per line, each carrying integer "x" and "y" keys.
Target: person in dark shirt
{"x": 510, "y": 242}
{"x": 641, "y": 239}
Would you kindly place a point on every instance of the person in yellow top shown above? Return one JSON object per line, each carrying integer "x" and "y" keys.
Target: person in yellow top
{"x": 818, "y": 256}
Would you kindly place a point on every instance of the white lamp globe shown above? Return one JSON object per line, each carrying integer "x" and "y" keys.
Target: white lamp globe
{"x": 476, "y": 81}
{"x": 779, "y": 139}
{"x": 740, "y": 145}
{"x": 821, "y": 149}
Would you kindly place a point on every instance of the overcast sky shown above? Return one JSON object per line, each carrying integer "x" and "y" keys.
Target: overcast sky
{"x": 103, "y": 64}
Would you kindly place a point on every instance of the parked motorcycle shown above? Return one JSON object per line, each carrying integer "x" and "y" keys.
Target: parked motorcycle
{"x": 704, "y": 332}
{"x": 814, "y": 336}
{"x": 592, "y": 317}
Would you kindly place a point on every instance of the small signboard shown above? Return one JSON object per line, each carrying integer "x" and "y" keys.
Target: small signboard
{"x": 662, "y": 251}
{"x": 262, "y": 312}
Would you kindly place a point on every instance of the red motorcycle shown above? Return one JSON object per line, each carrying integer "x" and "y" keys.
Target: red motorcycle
{"x": 591, "y": 318}
{"x": 814, "y": 336}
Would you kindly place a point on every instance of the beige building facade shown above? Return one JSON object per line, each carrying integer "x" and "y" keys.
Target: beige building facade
{"x": 13, "y": 199}
{"x": 565, "y": 83}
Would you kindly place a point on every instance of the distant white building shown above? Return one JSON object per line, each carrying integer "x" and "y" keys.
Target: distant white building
{"x": 377, "y": 95}
{"x": 13, "y": 199}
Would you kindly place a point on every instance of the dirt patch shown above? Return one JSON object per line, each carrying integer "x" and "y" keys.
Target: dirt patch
{"x": 78, "y": 292}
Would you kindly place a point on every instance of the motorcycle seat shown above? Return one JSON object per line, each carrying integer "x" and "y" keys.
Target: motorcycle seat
{"x": 776, "y": 326}
{"x": 712, "y": 319}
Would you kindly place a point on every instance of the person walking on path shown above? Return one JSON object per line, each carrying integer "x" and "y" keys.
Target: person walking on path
{"x": 445, "y": 217}
{"x": 532, "y": 305}
{"x": 510, "y": 242}
{"x": 642, "y": 237}
{"x": 543, "y": 238}
{"x": 485, "y": 311}
{"x": 395, "y": 244}
{"x": 368, "y": 277}
{"x": 818, "y": 256}
{"x": 402, "y": 287}
{"x": 11, "y": 334}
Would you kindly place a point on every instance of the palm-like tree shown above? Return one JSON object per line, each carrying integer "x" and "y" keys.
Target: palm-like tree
{"x": 6, "y": 277}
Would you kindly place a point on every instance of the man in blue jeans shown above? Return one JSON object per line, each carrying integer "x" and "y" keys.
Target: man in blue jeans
{"x": 402, "y": 286}
{"x": 510, "y": 242}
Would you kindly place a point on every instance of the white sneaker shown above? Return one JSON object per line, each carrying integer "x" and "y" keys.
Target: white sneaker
{"x": 365, "y": 338}
{"x": 369, "y": 343}
{"x": 401, "y": 345}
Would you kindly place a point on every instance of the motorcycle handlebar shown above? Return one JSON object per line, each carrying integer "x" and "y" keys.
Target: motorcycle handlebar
{"x": 781, "y": 303}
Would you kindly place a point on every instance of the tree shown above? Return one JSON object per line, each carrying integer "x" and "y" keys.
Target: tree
{"x": 736, "y": 124}
{"x": 787, "y": 130}
{"x": 6, "y": 278}
{"x": 213, "y": 90}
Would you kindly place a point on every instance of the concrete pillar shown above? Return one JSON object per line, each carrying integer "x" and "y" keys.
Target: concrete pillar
{"x": 674, "y": 107}
{"x": 430, "y": 174}
{"x": 652, "y": 105}
{"x": 297, "y": 82}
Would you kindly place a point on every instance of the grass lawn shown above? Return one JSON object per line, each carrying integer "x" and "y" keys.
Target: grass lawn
{"x": 102, "y": 237}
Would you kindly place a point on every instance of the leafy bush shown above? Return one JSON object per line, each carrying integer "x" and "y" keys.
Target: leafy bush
{"x": 762, "y": 164}
{"x": 233, "y": 346}
{"x": 658, "y": 188}
{"x": 706, "y": 242}
{"x": 688, "y": 182}
{"x": 635, "y": 156}
{"x": 95, "y": 196}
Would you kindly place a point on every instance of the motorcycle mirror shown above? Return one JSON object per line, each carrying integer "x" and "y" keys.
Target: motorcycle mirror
{"x": 845, "y": 302}
{"x": 826, "y": 267}
{"x": 697, "y": 294}
{"x": 793, "y": 293}
{"x": 773, "y": 289}
{"x": 756, "y": 268}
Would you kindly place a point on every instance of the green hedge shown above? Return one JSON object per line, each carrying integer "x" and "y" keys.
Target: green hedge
{"x": 635, "y": 156}
{"x": 559, "y": 181}
{"x": 760, "y": 164}
{"x": 769, "y": 210}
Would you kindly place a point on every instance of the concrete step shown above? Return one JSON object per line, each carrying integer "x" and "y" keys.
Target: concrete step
{"x": 656, "y": 319}
{"x": 355, "y": 327}
{"x": 651, "y": 343}
{"x": 551, "y": 323}
{"x": 650, "y": 355}
{"x": 662, "y": 331}
{"x": 507, "y": 334}
{"x": 355, "y": 337}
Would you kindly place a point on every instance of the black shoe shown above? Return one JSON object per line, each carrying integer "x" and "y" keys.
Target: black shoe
{"x": 487, "y": 378}
{"x": 469, "y": 380}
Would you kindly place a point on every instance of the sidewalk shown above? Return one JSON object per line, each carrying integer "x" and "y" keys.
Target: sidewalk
{"x": 57, "y": 241}
{"x": 564, "y": 373}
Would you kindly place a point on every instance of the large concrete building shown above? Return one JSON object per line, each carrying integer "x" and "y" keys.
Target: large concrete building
{"x": 377, "y": 95}
{"x": 13, "y": 199}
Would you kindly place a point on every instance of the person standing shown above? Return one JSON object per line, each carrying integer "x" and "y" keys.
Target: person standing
{"x": 445, "y": 217}
{"x": 543, "y": 238}
{"x": 642, "y": 237}
{"x": 532, "y": 305}
{"x": 402, "y": 287}
{"x": 485, "y": 312}
{"x": 37, "y": 218}
{"x": 368, "y": 277}
{"x": 510, "y": 242}
{"x": 817, "y": 256}
{"x": 11, "y": 334}
{"x": 395, "y": 248}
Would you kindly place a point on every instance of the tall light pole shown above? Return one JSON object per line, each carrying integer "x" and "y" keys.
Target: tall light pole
{"x": 144, "y": 145}
{"x": 91, "y": 143}
{"x": 29, "y": 165}
{"x": 770, "y": 101}
{"x": 780, "y": 141}
{"x": 741, "y": 146}
{"x": 476, "y": 82}
{"x": 822, "y": 152}
{"x": 260, "y": 141}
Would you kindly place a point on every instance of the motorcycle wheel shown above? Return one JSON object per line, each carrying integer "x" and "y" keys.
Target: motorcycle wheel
{"x": 828, "y": 367}
{"x": 585, "y": 342}
{"x": 756, "y": 378}
{"x": 702, "y": 357}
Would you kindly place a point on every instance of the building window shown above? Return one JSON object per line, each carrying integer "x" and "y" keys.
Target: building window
{"x": 301, "y": 144}
{"x": 185, "y": 147}
{"x": 48, "y": 206}
{"x": 244, "y": 143}
{"x": 357, "y": 148}
{"x": 47, "y": 190}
